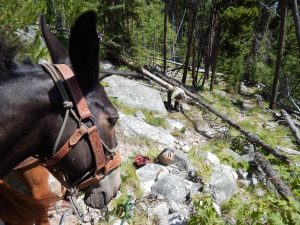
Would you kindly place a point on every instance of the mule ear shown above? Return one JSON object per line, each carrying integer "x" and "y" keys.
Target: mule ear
{"x": 84, "y": 48}
{"x": 57, "y": 51}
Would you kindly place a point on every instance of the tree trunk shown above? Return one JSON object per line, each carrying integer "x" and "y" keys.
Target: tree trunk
{"x": 272, "y": 175}
{"x": 165, "y": 38}
{"x": 215, "y": 51}
{"x": 292, "y": 126}
{"x": 194, "y": 64}
{"x": 283, "y": 6}
{"x": 208, "y": 48}
{"x": 192, "y": 26}
{"x": 295, "y": 12}
{"x": 260, "y": 28}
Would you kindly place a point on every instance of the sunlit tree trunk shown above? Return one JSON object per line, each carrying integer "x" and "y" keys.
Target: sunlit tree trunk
{"x": 295, "y": 12}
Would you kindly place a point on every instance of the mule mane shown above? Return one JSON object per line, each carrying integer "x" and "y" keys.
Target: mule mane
{"x": 7, "y": 54}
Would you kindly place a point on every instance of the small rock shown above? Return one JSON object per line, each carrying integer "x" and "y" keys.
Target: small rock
{"x": 106, "y": 65}
{"x": 160, "y": 211}
{"x": 174, "y": 207}
{"x": 140, "y": 115}
{"x": 185, "y": 149}
{"x": 242, "y": 174}
{"x": 296, "y": 164}
{"x": 173, "y": 124}
{"x": 118, "y": 222}
{"x": 212, "y": 159}
{"x": 246, "y": 183}
{"x": 270, "y": 125}
{"x": 259, "y": 192}
{"x": 253, "y": 181}
{"x": 248, "y": 149}
{"x": 176, "y": 219}
{"x": 185, "y": 107}
{"x": 217, "y": 208}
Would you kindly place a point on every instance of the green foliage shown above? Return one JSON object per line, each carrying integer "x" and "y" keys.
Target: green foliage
{"x": 154, "y": 120}
{"x": 246, "y": 208}
{"x": 122, "y": 107}
{"x": 205, "y": 212}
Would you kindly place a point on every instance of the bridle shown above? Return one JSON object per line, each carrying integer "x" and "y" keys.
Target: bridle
{"x": 104, "y": 162}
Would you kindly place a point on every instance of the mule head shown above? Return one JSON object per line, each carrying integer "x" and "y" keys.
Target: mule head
{"x": 83, "y": 57}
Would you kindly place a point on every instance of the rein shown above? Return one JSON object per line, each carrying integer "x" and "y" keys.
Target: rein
{"x": 104, "y": 163}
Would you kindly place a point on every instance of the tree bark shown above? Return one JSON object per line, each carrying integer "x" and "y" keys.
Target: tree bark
{"x": 281, "y": 187}
{"x": 296, "y": 17}
{"x": 292, "y": 126}
{"x": 165, "y": 37}
{"x": 283, "y": 6}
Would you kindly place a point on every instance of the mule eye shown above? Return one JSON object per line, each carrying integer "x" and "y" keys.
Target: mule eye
{"x": 113, "y": 120}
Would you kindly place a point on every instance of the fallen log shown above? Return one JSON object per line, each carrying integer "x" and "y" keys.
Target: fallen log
{"x": 107, "y": 73}
{"x": 292, "y": 126}
{"x": 287, "y": 150}
{"x": 255, "y": 140}
{"x": 296, "y": 117}
{"x": 279, "y": 118}
{"x": 271, "y": 174}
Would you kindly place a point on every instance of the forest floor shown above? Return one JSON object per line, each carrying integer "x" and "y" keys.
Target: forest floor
{"x": 252, "y": 204}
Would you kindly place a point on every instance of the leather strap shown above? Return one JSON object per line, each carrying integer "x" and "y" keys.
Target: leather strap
{"x": 75, "y": 91}
{"x": 97, "y": 148}
{"x": 112, "y": 164}
{"x": 65, "y": 149}
{"x": 28, "y": 163}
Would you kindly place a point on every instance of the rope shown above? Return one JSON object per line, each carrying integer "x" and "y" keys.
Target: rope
{"x": 67, "y": 104}
{"x": 127, "y": 208}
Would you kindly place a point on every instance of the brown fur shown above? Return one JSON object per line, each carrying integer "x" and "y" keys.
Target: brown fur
{"x": 17, "y": 208}
{"x": 36, "y": 179}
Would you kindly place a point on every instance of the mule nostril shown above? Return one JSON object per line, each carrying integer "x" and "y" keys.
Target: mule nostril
{"x": 113, "y": 120}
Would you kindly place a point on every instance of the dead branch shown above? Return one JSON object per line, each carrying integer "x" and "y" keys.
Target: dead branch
{"x": 281, "y": 187}
{"x": 292, "y": 126}
{"x": 255, "y": 140}
{"x": 279, "y": 118}
{"x": 296, "y": 117}
{"x": 287, "y": 150}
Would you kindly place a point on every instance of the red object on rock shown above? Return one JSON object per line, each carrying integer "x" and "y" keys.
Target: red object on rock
{"x": 141, "y": 160}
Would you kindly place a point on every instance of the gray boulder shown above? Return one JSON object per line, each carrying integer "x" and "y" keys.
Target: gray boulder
{"x": 170, "y": 187}
{"x": 106, "y": 65}
{"x": 136, "y": 127}
{"x": 134, "y": 94}
{"x": 182, "y": 161}
{"x": 148, "y": 175}
{"x": 223, "y": 183}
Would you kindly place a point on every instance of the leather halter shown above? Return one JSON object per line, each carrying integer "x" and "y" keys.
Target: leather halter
{"x": 103, "y": 163}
